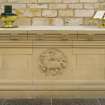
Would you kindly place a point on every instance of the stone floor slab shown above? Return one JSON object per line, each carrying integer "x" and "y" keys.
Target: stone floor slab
{"x": 27, "y": 102}
{"x": 102, "y": 101}
{"x": 75, "y": 102}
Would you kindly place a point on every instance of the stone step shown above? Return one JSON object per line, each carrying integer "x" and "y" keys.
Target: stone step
{"x": 59, "y": 101}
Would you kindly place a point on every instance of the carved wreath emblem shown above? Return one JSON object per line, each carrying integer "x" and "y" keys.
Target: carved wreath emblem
{"x": 52, "y": 61}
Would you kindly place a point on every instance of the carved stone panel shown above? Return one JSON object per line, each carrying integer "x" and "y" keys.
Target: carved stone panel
{"x": 52, "y": 61}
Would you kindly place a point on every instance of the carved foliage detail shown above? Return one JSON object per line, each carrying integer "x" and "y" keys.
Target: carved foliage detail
{"x": 52, "y": 61}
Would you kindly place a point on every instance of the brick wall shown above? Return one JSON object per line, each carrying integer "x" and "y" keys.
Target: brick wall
{"x": 54, "y": 12}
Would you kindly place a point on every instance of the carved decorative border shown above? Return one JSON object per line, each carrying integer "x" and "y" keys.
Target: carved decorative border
{"x": 28, "y": 39}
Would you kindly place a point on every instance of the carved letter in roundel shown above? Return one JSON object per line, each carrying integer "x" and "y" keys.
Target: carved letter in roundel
{"x": 52, "y": 61}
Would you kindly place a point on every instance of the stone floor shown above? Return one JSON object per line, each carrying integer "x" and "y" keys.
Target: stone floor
{"x": 52, "y": 102}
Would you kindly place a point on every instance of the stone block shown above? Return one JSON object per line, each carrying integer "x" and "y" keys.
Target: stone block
{"x": 84, "y": 13}
{"x": 56, "y": 21}
{"x": 37, "y": 6}
{"x": 40, "y": 22}
{"x": 16, "y": 67}
{"x": 89, "y": 1}
{"x": 70, "y": 1}
{"x": 49, "y": 13}
{"x": 73, "y": 21}
{"x": 58, "y": 6}
{"x": 23, "y": 21}
{"x": 76, "y": 6}
{"x": 65, "y": 13}
{"x": 90, "y": 67}
{"x": 49, "y": 1}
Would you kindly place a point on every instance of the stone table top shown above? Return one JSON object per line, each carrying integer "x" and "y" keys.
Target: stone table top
{"x": 54, "y": 28}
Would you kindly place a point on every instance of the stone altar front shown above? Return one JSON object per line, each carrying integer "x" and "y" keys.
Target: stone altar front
{"x": 50, "y": 61}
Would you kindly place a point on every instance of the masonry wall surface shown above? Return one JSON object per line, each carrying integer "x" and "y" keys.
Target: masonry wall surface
{"x": 54, "y": 12}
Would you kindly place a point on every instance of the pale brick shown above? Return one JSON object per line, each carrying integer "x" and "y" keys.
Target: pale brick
{"x": 31, "y": 1}
{"x": 73, "y": 21}
{"x": 18, "y": 6}
{"x": 76, "y": 6}
{"x": 84, "y": 13}
{"x": 56, "y": 21}
{"x": 29, "y": 12}
{"x": 20, "y": 11}
{"x": 102, "y": 1}
{"x": 35, "y": 12}
{"x": 23, "y": 1}
{"x": 89, "y": 21}
{"x": 65, "y": 13}
{"x": 3, "y": 1}
{"x": 89, "y": 1}
{"x": 49, "y": 13}
{"x": 22, "y": 21}
{"x": 58, "y": 6}
{"x": 89, "y": 6}
{"x": 40, "y": 6}
{"x": 100, "y": 6}
{"x": 49, "y": 1}
{"x": 40, "y": 22}
{"x": 47, "y": 21}
{"x": 0, "y": 11}
{"x": 70, "y": 1}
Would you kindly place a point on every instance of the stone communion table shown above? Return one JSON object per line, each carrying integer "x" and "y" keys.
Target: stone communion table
{"x": 52, "y": 61}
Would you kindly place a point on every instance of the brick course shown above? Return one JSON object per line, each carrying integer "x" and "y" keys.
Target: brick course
{"x": 55, "y": 12}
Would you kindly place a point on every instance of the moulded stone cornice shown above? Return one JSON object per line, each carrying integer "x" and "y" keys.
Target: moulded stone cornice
{"x": 45, "y": 36}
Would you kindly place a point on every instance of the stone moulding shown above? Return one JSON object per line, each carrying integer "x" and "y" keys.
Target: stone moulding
{"x": 43, "y": 44}
{"x": 52, "y": 85}
{"x": 53, "y": 36}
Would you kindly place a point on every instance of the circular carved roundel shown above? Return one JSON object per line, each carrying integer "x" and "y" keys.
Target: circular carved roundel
{"x": 52, "y": 61}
